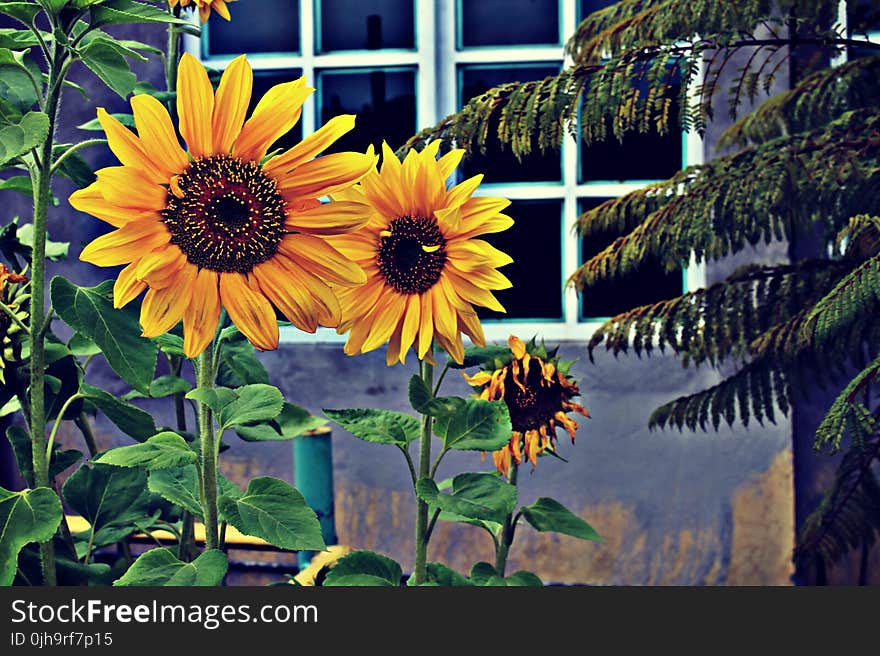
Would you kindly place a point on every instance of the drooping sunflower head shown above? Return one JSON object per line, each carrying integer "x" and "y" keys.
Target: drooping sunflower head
{"x": 204, "y": 7}
{"x": 219, "y": 224}
{"x": 14, "y": 295}
{"x": 538, "y": 392}
{"x": 425, "y": 269}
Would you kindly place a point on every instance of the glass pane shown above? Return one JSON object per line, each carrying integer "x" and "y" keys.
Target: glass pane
{"x": 263, "y": 81}
{"x": 589, "y": 6}
{"x": 260, "y": 26}
{"x": 499, "y": 164}
{"x": 651, "y": 283}
{"x": 640, "y": 156}
{"x": 366, "y": 24}
{"x": 535, "y": 244}
{"x": 508, "y": 22}
{"x": 863, "y": 17}
{"x": 383, "y": 100}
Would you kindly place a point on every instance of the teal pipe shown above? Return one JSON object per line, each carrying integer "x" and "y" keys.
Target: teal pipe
{"x": 313, "y": 477}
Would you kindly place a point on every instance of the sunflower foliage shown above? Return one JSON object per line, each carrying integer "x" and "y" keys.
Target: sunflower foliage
{"x": 804, "y": 164}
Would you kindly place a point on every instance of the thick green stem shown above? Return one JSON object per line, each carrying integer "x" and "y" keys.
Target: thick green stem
{"x": 42, "y": 190}
{"x": 208, "y": 448}
{"x": 420, "y": 570}
{"x": 507, "y": 531}
{"x": 171, "y": 59}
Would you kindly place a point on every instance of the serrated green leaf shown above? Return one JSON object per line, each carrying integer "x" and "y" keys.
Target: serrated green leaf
{"x": 22, "y": 11}
{"x": 108, "y": 496}
{"x": 379, "y": 426}
{"x": 130, "y": 419}
{"x": 94, "y": 125}
{"x": 439, "y": 574}
{"x": 239, "y": 364}
{"x": 56, "y": 251}
{"x": 477, "y": 356}
{"x": 254, "y": 403}
{"x": 162, "y": 451}
{"x": 120, "y": 12}
{"x": 60, "y": 461}
{"x": 26, "y": 516}
{"x": 479, "y": 426}
{"x": 424, "y": 402}
{"x": 292, "y": 422}
{"x": 170, "y": 344}
{"x": 179, "y": 486}
{"x": 160, "y": 567}
{"x": 364, "y": 568}
{"x": 275, "y": 511}
{"x": 474, "y": 496}
{"x": 169, "y": 385}
{"x": 18, "y": 138}
{"x": 82, "y": 346}
{"x": 550, "y": 515}
{"x": 110, "y": 66}
{"x": 90, "y": 311}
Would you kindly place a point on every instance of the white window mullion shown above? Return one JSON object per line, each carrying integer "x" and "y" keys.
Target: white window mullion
{"x": 428, "y": 65}
{"x": 310, "y": 119}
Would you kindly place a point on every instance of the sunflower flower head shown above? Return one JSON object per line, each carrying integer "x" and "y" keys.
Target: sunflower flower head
{"x": 204, "y": 7}
{"x": 14, "y": 296}
{"x": 538, "y": 392}
{"x": 219, "y": 225}
{"x": 425, "y": 268}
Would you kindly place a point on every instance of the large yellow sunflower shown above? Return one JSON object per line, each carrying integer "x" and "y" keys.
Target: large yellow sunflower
{"x": 538, "y": 392}
{"x": 218, "y": 225}
{"x": 425, "y": 271}
{"x": 205, "y": 7}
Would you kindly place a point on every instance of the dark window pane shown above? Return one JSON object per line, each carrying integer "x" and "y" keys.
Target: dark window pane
{"x": 366, "y": 24}
{"x": 651, "y": 283}
{"x": 508, "y": 22}
{"x": 640, "y": 156}
{"x": 258, "y": 26}
{"x": 499, "y": 164}
{"x": 589, "y": 6}
{"x": 535, "y": 244}
{"x": 263, "y": 81}
{"x": 383, "y": 100}
{"x": 855, "y": 52}
{"x": 863, "y": 17}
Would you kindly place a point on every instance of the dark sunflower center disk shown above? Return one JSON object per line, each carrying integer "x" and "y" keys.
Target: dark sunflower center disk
{"x": 230, "y": 217}
{"x": 412, "y": 257}
{"x": 536, "y": 405}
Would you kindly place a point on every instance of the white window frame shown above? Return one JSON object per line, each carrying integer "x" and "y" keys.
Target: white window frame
{"x": 436, "y": 59}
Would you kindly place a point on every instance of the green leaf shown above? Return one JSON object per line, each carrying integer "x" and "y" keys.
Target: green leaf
{"x": 239, "y": 364}
{"x": 474, "y": 496}
{"x": 161, "y": 567}
{"x": 128, "y": 418}
{"x": 423, "y": 401}
{"x": 90, "y": 311}
{"x": 22, "y": 11}
{"x": 550, "y": 515}
{"x": 82, "y": 346}
{"x": 108, "y": 496}
{"x": 17, "y": 39}
{"x": 17, "y": 86}
{"x": 161, "y": 451}
{"x": 55, "y": 250}
{"x": 94, "y": 125}
{"x": 483, "y": 574}
{"x": 275, "y": 511}
{"x": 110, "y": 66}
{"x": 21, "y": 447}
{"x": 492, "y": 356}
{"x": 523, "y": 578}
{"x": 479, "y": 426}
{"x": 74, "y": 167}
{"x": 292, "y": 422}
{"x": 258, "y": 402}
{"x": 118, "y": 12}
{"x": 18, "y": 138}
{"x": 364, "y": 568}
{"x": 26, "y": 516}
{"x": 439, "y": 574}
{"x": 215, "y": 398}
{"x": 169, "y": 385}
{"x": 179, "y": 486}
{"x": 379, "y": 426}
{"x": 20, "y": 184}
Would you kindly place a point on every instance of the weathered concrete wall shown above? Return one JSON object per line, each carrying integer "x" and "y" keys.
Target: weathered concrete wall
{"x": 674, "y": 508}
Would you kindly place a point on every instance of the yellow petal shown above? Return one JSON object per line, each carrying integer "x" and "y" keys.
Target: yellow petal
{"x": 312, "y": 145}
{"x": 470, "y": 254}
{"x": 195, "y": 106}
{"x": 321, "y": 298}
{"x": 449, "y": 162}
{"x": 157, "y": 133}
{"x": 201, "y": 316}
{"x": 517, "y": 347}
{"x": 426, "y": 325}
{"x": 126, "y": 244}
{"x": 129, "y": 187}
{"x": 461, "y": 193}
{"x": 471, "y": 293}
{"x": 221, "y": 8}
{"x": 162, "y": 309}
{"x": 278, "y": 111}
{"x": 231, "y": 103}
{"x": 470, "y": 324}
{"x": 316, "y": 255}
{"x": 395, "y": 353}
{"x": 454, "y": 347}
{"x": 292, "y": 299}
{"x": 127, "y": 286}
{"x": 325, "y": 175}
{"x": 478, "y": 379}
{"x": 385, "y": 321}
{"x": 159, "y": 268}
{"x": 445, "y": 320}
{"x": 410, "y": 325}
{"x": 249, "y": 310}
{"x": 487, "y": 278}
{"x": 129, "y": 149}
{"x": 92, "y": 201}
{"x": 333, "y": 218}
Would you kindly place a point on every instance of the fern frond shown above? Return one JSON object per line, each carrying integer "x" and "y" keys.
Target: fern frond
{"x": 710, "y": 211}
{"x": 848, "y": 414}
{"x": 816, "y": 100}
{"x": 720, "y": 321}
{"x": 849, "y": 514}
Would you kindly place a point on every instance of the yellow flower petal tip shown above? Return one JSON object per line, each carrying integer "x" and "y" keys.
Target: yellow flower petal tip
{"x": 234, "y": 231}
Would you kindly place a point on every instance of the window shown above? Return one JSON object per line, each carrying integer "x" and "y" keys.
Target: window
{"x": 862, "y": 19}
{"x": 402, "y": 65}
